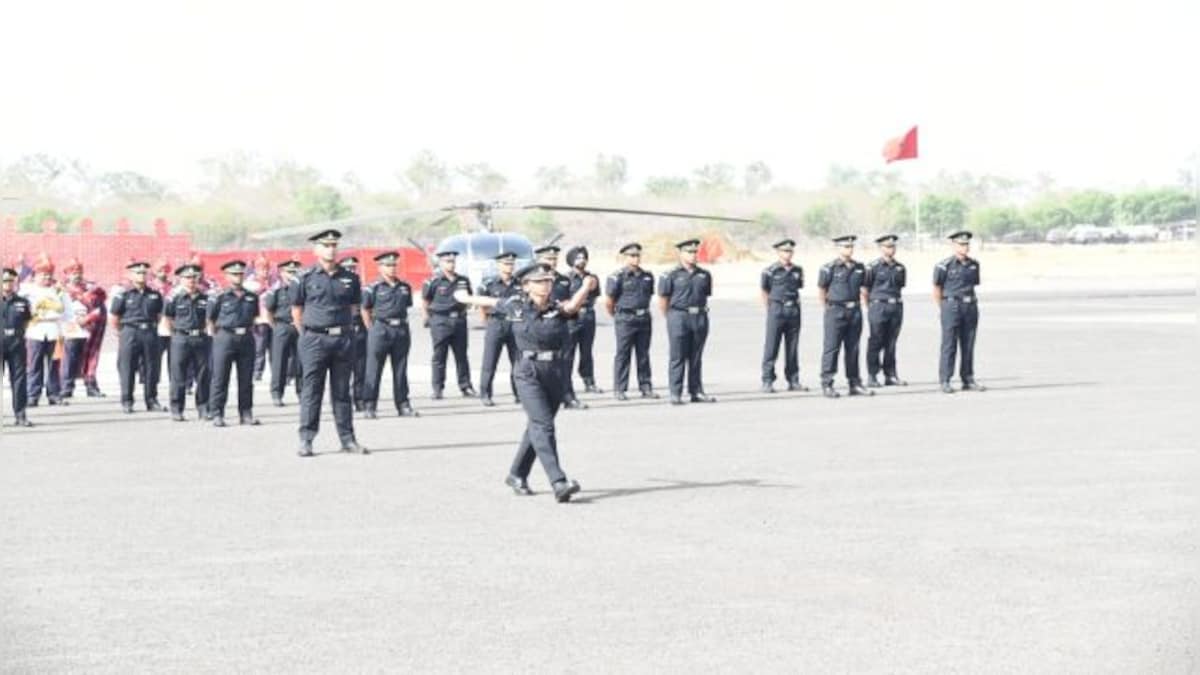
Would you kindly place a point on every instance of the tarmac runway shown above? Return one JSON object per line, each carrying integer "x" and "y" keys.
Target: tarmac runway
{"x": 1051, "y": 524}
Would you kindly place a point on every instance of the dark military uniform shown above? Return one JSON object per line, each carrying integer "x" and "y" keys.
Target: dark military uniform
{"x": 884, "y": 282}
{"x": 233, "y": 342}
{"x": 15, "y": 315}
{"x": 782, "y": 285}
{"x": 630, "y": 289}
{"x": 285, "y": 361}
{"x": 581, "y": 330}
{"x": 448, "y": 328}
{"x": 388, "y": 338}
{"x": 843, "y": 318}
{"x": 498, "y": 336}
{"x": 137, "y": 312}
{"x": 191, "y": 349}
{"x": 327, "y": 299}
{"x": 959, "y": 315}
{"x": 358, "y": 368}
{"x": 687, "y": 293}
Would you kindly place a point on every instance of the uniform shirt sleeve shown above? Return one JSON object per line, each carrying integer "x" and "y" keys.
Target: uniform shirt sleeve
{"x": 358, "y": 289}
{"x": 665, "y": 284}
{"x": 405, "y": 298}
{"x": 708, "y": 287}
{"x": 297, "y": 291}
{"x": 939, "y": 274}
{"x": 764, "y": 281}
{"x": 427, "y": 290}
{"x": 824, "y": 278}
{"x": 612, "y": 287}
{"x": 214, "y": 307}
{"x": 169, "y": 310}
{"x": 978, "y": 273}
{"x": 118, "y": 305}
{"x": 901, "y": 277}
{"x": 801, "y": 279}
{"x": 368, "y": 297}
{"x": 869, "y": 276}
{"x": 270, "y": 301}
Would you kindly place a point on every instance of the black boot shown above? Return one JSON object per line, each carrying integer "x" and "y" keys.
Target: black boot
{"x": 406, "y": 410}
{"x": 519, "y": 485}
{"x": 563, "y": 490}
{"x": 856, "y": 389}
{"x": 873, "y": 382}
{"x": 767, "y": 388}
{"x": 701, "y": 397}
{"x": 893, "y": 381}
{"x": 972, "y": 385}
{"x": 828, "y": 391}
{"x": 369, "y": 411}
{"x": 589, "y": 386}
{"x": 796, "y": 386}
{"x": 947, "y": 388}
{"x": 305, "y": 449}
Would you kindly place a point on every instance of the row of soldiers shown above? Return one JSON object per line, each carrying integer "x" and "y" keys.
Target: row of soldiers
{"x": 209, "y": 333}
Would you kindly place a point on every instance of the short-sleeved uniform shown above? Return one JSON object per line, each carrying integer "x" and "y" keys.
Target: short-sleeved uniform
{"x": 285, "y": 361}
{"x": 843, "y": 283}
{"x": 388, "y": 338}
{"x": 581, "y": 329}
{"x": 959, "y": 315}
{"x": 233, "y": 314}
{"x": 191, "y": 348}
{"x": 448, "y": 328}
{"x": 687, "y": 292}
{"x": 631, "y": 289}
{"x": 137, "y": 311}
{"x": 782, "y": 284}
{"x": 884, "y": 283}
{"x": 497, "y": 335}
{"x": 327, "y": 301}
{"x": 15, "y": 315}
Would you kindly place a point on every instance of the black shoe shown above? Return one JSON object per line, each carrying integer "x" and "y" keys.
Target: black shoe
{"x": 767, "y": 388}
{"x": 591, "y": 388}
{"x": 487, "y": 401}
{"x": 218, "y": 421}
{"x": 519, "y": 485}
{"x": 93, "y": 391}
{"x": 563, "y": 490}
{"x": 575, "y": 404}
{"x": 468, "y": 392}
{"x": 947, "y": 388}
{"x": 873, "y": 382}
{"x": 676, "y": 399}
{"x": 353, "y": 446}
{"x": 370, "y": 413}
{"x": 56, "y": 401}
{"x": 649, "y": 393}
{"x": 859, "y": 390}
{"x": 796, "y": 386}
{"x": 277, "y": 401}
{"x": 436, "y": 395}
{"x": 68, "y": 394}
{"x": 621, "y": 396}
{"x": 406, "y": 410}
{"x": 828, "y": 391}
{"x": 701, "y": 397}
{"x": 178, "y": 417}
{"x": 358, "y": 406}
{"x": 893, "y": 381}
{"x": 972, "y": 385}
{"x": 31, "y": 403}
{"x": 154, "y": 406}
{"x": 21, "y": 420}
{"x": 127, "y": 408}
{"x": 249, "y": 420}
{"x": 305, "y": 449}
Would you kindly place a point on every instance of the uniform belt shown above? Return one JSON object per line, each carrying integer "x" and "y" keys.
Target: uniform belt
{"x": 10, "y": 332}
{"x": 328, "y": 330}
{"x": 239, "y": 330}
{"x": 691, "y": 310}
{"x": 137, "y": 325}
{"x": 452, "y": 315}
{"x": 633, "y": 312}
{"x": 540, "y": 355}
{"x": 849, "y": 304}
{"x": 586, "y": 310}
{"x": 887, "y": 301}
{"x": 395, "y": 322}
{"x": 785, "y": 303}
{"x": 190, "y": 333}
{"x": 286, "y": 322}
{"x": 965, "y": 299}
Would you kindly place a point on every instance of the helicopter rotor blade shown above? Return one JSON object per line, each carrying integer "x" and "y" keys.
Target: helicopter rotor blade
{"x": 632, "y": 212}
{"x": 554, "y": 240}
{"x": 340, "y": 224}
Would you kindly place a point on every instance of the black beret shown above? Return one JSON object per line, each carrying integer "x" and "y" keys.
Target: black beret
{"x": 188, "y": 270}
{"x": 887, "y": 239}
{"x": 846, "y": 239}
{"x": 687, "y": 243}
{"x": 784, "y": 243}
{"x": 631, "y": 247}
{"x": 962, "y": 236}
{"x": 234, "y": 266}
{"x": 549, "y": 248}
{"x": 326, "y": 236}
{"x": 534, "y": 272}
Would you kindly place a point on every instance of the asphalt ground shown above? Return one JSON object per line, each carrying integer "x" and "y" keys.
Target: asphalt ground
{"x": 1051, "y": 524}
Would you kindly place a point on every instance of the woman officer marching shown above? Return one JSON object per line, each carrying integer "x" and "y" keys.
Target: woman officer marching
{"x": 540, "y": 327}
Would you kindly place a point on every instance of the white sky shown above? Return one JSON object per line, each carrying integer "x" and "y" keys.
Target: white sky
{"x": 1096, "y": 93}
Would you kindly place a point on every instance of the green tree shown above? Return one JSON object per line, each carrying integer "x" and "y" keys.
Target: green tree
{"x": 612, "y": 172}
{"x": 755, "y": 177}
{"x": 667, "y": 186}
{"x": 32, "y": 222}
{"x": 484, "y": 179}
{"x": 552, "y": 179}
{"x": 715, "y": 178}
{"x": 995, "y": 221}
{"x": 132, "y": 186}
{"x": 1165, "y": 205}
{"x": 896, "y": 212}
{"x": 942, "y": 214}
{"x": 1093, "y": 206}
{"x": 321, "y": 203}
{"x": 427, "y": 175}
{"x": 1048, "y": 213}
{"x": 825, "y": 218}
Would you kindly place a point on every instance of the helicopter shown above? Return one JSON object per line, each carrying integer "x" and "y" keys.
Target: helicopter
{"x": 477, "y": 250}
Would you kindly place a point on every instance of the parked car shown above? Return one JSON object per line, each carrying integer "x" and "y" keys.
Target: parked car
{"x": 1056, "y": 235}
{"x": 1112, "y": 235}
{"x": 1085, "y": 234}
{"x": 1020, "y": 237}
{"x": 1141, "y": 233}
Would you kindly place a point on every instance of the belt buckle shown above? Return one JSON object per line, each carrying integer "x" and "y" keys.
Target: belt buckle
{"x": 639, "y": 312}
{"x": 334, "y": 330}
{"x": 452, "y": 315}
{"x": 142, "y": 326}
{"x": 789, "y": 303}
{"x": 968, "y": 300}
{"x": 239, "y": 331}
{"x": 849, "y": 304}
{"x": 693, "y": 310}
{"x": 9, "y": 332}
{"x": 393, "y": 322}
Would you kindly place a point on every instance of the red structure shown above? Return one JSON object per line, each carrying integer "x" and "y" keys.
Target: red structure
{"x": 104, "y": 256}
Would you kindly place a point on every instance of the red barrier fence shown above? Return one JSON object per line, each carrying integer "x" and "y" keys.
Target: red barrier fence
{"x": 104, "y": 255}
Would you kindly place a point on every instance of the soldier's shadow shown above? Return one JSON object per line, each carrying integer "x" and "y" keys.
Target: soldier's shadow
{"x": 590, "y": 496}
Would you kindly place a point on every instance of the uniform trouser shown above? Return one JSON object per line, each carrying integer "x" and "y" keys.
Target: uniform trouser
{"x": 449, "y": 333}
{"x": 262, "y": 348}
{"x": 886, "y": 320}
{"x": 229, "y": 349}
{"x": 41, "y": 365}
{"x": 539, "y": 384}
{"x": 12, "y": 352}
{"x": 190, "y": 354}
{"x": 687, "y": 334}
{"x": 581, "y": 334}
{"x": 91, "y": 353}
{"x": 285, "y": 361}
{"x": 72, "y": 368}
{"x": 959, "y": 322}
{"x": 137, "y": 351}
{"x": 358, "y": 368}
{"x": 843, "y": 330}
{"x": 783, "y": 324}
{"x": 152, "y": 368}
{"x": 633, "y": 334}
{"x": 384, "y": 342}
{"x": 321, "y": 354}
{"x": 497, "y": 337}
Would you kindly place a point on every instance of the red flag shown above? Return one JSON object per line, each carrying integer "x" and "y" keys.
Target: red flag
{"x": 901, "y": 147}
